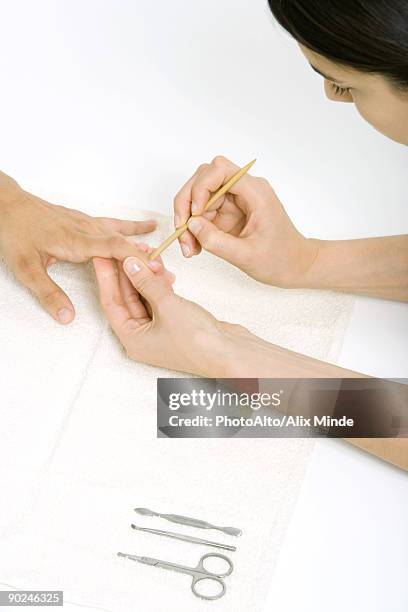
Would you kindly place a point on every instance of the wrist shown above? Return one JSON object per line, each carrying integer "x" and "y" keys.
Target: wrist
{"x": 240, "y": 354}
{"x": 326, "y": 264}
{"x": 248, "y": 356}
{"x": 301, "y": 276}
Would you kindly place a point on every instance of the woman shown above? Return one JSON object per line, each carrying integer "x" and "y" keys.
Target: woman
{"x": 360, "y": 47}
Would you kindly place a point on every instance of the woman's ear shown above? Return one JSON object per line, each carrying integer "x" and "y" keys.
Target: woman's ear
{"x": 336, "y": 93}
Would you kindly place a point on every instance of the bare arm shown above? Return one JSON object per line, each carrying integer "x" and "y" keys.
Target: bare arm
{"x": 375, "y": 267}
{"x": 257, "y": 358}
{"x": 181, "y": 335}
{"x": 254, "y": 357}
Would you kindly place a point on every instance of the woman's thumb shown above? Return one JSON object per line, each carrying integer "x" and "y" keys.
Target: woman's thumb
{"x": 153, "y": 288}
{"x": 216, "y": 241}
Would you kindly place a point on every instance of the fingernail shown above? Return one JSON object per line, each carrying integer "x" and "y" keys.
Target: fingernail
{"x": 155, "y": 265}
{"x": 177, "y": 221}
{"x": 132, "y": 266}
{"x": 195, "y": 226}
{"x": 185, "y": 250}
{"x": 194, "y": 208}
{"x": 65, "y": 315}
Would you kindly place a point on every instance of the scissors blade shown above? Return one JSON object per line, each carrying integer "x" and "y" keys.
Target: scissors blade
{"x": 144, "y": 560}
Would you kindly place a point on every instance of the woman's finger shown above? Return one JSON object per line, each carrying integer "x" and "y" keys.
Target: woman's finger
{"x": 132, "y": 298}
{"x": 195, "y": 194}
{"x": 189, "y": 245}
{"x": 111, "y": 299}
{"x": 150, "y": 286}
{"x": 182, "y": 212}
{"x": 182, "y": 200}
{"x": 215, "y": 176}
{"x": 156, "y": 264}
{"x": 188, "y": 242}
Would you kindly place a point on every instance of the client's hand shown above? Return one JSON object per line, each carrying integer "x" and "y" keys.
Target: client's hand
{"x": 248, "y": 226}
{"x": 160, "y": 328}
{"x": 34, "y": 234}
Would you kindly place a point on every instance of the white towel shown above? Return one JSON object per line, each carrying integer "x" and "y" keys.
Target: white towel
{"x": 78, "y": 446}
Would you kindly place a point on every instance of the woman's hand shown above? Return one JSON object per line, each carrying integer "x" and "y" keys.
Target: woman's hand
{"x": 248, "y": 226}
{"x": 160, "y": 328}
{"x": 34, "y": 234}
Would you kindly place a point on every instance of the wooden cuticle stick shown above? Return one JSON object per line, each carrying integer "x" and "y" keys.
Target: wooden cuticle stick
{"x": 180, "y": 230}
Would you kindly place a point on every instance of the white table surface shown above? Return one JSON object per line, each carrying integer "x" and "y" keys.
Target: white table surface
{"x": 119, "y": 102}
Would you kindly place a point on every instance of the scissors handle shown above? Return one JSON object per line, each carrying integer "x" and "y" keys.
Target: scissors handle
{"x": 201, "y": 573}
{"x": 212, "y": 578}
{"x": 201, "y": 566}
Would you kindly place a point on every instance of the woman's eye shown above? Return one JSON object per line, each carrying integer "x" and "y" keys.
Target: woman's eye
{"x": 340, "y": 91}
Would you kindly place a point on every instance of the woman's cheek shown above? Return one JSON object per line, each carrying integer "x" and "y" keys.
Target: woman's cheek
{"x": 380, "y": 117}
{"x": 385, "y": 109}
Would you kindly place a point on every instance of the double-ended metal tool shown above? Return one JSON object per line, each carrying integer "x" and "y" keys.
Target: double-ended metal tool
{"x": 185, "y": 538}
{"x": 191, "y": 522}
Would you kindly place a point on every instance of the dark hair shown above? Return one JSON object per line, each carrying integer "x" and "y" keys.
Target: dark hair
{"x": 367, "y": 35}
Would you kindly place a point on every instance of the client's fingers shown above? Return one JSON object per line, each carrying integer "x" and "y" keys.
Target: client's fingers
{"x": 127, "y": 228}
{"x": 31, "y": 272}
{"x": 112, "y": 303}
{"x": 157, "y": 265}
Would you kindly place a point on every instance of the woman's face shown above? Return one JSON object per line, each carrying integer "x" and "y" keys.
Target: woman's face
{"x": 377, "y": 100}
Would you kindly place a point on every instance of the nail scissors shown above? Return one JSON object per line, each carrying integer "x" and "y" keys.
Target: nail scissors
{"x": 198, "y": 573}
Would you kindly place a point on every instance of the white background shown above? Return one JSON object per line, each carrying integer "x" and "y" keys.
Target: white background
{"x": 110, "y": 102}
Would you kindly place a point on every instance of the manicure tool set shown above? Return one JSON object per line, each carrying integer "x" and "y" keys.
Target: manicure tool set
{"x": 200, "y": 572}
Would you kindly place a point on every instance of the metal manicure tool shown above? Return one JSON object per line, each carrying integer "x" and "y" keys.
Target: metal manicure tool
{"x": 185, "y": 538}
{"x": 185, "y": 520}
{"x": 198, "y": 573}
